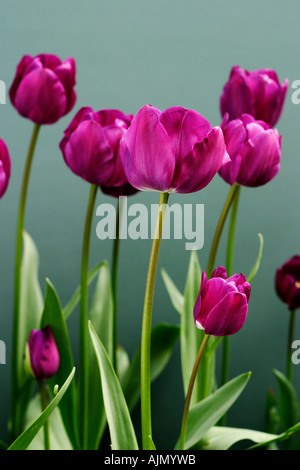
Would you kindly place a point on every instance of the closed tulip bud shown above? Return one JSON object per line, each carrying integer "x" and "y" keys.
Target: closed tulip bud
{"x": 287, "y": 282}
{"x": 90, "y": 146}
{"x": 4, "y": 167}
{"x": 222, "y": 304}
{"x": 258, "y": 93}
{"x": 43, "y": 88}
{"x": 254, "y": 149}
{"x": 42, "y": 356}
{"x": 175, "y": 151}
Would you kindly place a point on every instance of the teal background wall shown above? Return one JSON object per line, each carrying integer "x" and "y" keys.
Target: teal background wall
{"x": 163, "y": 52}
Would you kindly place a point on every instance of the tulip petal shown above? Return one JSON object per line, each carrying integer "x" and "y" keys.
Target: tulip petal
{"x": 66, "y": 73}
{"x": 260, "y": 159}
{"x": 228, "y": 316}
{"x": 202, "y": 163}
{"x": 5, "y": 167}
{"x": 41, "y": 97}
{"x": 146, "y": 152}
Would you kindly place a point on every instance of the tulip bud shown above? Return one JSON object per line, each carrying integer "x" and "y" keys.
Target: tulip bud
{"x": 254, "y": 149}
{"x": 90, "y": 146}
{"x": 287, "y": 282}
{"x": 4, "y": 167}
{"x": 222, "y": 304}
{"x": 175, "y": 151}
{"x": 41, "y": 355}
{"x": 258, "y": 93}
{"x": 43, "y": 88}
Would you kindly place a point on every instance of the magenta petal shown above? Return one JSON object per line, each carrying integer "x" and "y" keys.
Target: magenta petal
{"x": 66, "y": 73}
{"x": 228, "y": 316}
{"x": 5, "y": 167}
{"x": 260, "y": 159}
{"x": 146, "y": 152}
{"x": 41, "y": 97}
{"x": 200, "y": 166}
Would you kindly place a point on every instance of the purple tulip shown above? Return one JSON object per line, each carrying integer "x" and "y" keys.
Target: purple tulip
{"x": 43, "y": 88}
{"x": 222, "y": 304}
{"x": 254, "y": 149}
{"x": 91, "y": 146}
{"x": 172, "y": 151}
{"x": 4, "y": 167}
{"x": 287, "y": 282}
{"x": 258, "y": 93}
{"x": 43, "y": 354}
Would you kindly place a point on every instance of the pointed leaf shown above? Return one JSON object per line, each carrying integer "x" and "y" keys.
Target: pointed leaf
{"x": 287, "y": 402}
{"x": 119, "y": 422}
{"x": 255, "y": 268}
{"x": 23, "y": 441}
{"x": 207, "y": 412}
{"x": 53, "y": 316}
{"x": 175, "y": 295}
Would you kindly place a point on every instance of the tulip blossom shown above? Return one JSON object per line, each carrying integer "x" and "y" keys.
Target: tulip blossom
{"x": 43, "y": 88}
{"x": 175, "y": 151}
{"x": 4, "y": 167}
{"x": 258, "y": 93}
{"x": 287, "y": 282}
{"x": 42, "y": 356}
{"x": 254, "y": 149}
{"x": 222, "y": 304}
{"x": 91, "y": 146}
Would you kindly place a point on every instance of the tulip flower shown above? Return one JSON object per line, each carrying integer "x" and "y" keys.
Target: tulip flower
{"x": 287, "y": 282}
{"x": 258, "y": 93}
{"x": 222, "y": 304}
{"x": 4, "y": 167}
{"x": 91, "y": 146}
{"x": 42, "y": 356}
{"x": 175, "y": 151}
{"x": 43, "y": 88}
{"x": 254, "y": 149}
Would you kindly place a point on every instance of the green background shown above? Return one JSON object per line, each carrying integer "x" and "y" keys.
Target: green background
{"x": 164, "y": 53}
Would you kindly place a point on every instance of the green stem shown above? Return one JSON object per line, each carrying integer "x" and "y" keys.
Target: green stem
{"x": 16, "y": 353}
{"x": 219, "y": 230}
{"x": 229, "y": 262}
{"x": 83, "y": 322}
{"x": 289, "y": 365}
{"x": 190, "y": 391}
{"x": 44, "y": 404}
{"x": 146, "y": 326}
{"x": 114, "y": 277}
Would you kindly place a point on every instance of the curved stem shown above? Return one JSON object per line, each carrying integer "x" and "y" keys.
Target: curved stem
{"x": 219, "y": 230}
{"x": 114, "y": 277}
{"x": 229, "y": 262}
{"x": 190, "y": 391}
{"x": 16, "y": 353}
{"x": 83, "y": 322}
{"x": 44, "y": 404}
{"x": 146, "y": 326}
{"x": 289, "y": 365}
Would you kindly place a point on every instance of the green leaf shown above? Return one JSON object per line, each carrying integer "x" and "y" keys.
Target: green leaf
{"x": 223, "y": 437}
{"x": 175, "y": 295}
{"x": 281, "y": 437}
{"x": 101, "y": 317}
{"x": 23, "y": 441}
{"x": 123, "y": 365}
{"x": 207, "y": 412}
{"x": 258, "y": 260}
{"x": 287, "y": 402}
{"x": 31, "y": 307}
{"x": 119, "y": 422}
{"x": 73, "y": 302}
{"x": 59, "y": 439}
{"x": 53, "y": 316}
{"x": 163, "y": 340}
